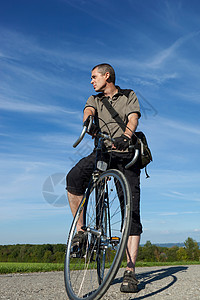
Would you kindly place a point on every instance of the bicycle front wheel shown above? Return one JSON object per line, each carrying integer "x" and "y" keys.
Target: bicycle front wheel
{"x": 105, "y": 214}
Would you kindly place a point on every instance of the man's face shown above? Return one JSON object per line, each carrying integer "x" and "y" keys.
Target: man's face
{"x": 98, "y": 80}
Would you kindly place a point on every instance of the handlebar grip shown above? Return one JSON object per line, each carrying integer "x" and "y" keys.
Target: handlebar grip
{"x": 137, "y": 152}
{"x": 90, "y": 124}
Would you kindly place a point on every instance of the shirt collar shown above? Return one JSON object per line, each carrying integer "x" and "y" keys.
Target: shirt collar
{"x": 119, "y": 93}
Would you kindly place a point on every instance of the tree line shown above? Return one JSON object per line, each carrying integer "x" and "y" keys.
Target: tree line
{"x": 55, "y": 253}
{"x": 153, "y": 253}
{"x": 47, "y": 253}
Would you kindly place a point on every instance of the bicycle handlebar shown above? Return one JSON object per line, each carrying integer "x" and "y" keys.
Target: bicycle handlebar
{"x": 131, "y": 163}
{"x": 85, "y": 129}
{"x": 107, "y": 137}
{"x": 136, "y": 155}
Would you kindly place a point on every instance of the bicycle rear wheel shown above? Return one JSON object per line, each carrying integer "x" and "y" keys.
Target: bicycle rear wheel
{"x": 105, "y": 210}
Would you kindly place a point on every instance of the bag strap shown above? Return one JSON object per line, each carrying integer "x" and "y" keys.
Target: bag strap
{"x": 117, "y": 117}
{"x": 113, "y": 113}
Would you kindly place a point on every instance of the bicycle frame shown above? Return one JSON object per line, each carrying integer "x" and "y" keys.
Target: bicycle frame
{"x": 97, "y": 171}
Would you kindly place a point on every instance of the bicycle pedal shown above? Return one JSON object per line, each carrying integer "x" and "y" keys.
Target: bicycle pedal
{"x": 75, "y": 255}
{"x": 115, "y": 239}
{"x": 78, "y": 254}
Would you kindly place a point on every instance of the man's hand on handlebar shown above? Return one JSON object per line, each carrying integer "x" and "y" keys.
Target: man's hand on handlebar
{"x": 87, "y": 121}
{"x": 93, "y": 130}
{"x": 122, "y": 142}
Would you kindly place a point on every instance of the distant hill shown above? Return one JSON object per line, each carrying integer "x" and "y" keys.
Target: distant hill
{"x": 170, "y": 245}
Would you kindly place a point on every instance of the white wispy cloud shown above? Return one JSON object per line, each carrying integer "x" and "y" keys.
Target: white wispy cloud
{"x": 170, "y": 52}
{"x": 22, "y": 210}
{"x": 148, "y": 70}
{"x": 100, "y": 11}
{"x": 167, "y": 123}
{"x": 182, "y": 196}
{"x": 179, "y": 213}
{"x": 46, "y": 72}
{"x": 175, "y": 179}
{"x": 27, "y": 49}
{"x": 2, "y": 55}
{"x": 183, "y": 136}
{"x": 26, "y": 107}
{"x": 184, "y": 127}
{"x": 193, "y": 97}
{"x": 65, "y": 141}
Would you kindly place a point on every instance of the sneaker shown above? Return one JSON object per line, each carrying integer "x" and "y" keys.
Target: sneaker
{"x": 130, "y": 283}
{"x": 78, "y": 246}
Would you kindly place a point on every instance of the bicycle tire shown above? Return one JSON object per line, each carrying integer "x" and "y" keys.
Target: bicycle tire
{"x": 101, "y": 251}
{"x": 83, "y": 266}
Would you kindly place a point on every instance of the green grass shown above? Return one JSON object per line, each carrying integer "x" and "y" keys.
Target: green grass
{"x": 154, "y": 264}
{"x": 12, "y": 267}
{"x": 9, "y": 267}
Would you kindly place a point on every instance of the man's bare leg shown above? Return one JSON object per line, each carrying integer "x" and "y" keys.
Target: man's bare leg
{"x": 74, "y": 202}
{"x": 132, "y": 251}
{"x": 130, "y": 283}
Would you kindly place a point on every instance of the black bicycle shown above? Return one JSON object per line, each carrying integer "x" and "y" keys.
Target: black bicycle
{"x": 105, "y": 214}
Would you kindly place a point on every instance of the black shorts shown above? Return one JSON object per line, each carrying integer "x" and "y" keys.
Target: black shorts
{"x": 78, "y": 179}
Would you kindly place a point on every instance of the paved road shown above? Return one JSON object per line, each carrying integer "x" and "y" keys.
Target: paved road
{"x": 172, "y": 283}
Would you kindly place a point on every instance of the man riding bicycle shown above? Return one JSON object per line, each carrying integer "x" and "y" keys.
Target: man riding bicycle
{"x": 126, "y": 105}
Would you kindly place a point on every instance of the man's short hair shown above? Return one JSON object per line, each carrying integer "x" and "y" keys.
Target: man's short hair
{"x": 103, "y": 68}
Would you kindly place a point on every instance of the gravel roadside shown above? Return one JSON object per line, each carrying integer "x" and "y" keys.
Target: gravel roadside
{"x": 172, "y": 282}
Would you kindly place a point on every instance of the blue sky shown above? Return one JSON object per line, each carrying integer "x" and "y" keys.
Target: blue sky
{"x": 47, "y": 49}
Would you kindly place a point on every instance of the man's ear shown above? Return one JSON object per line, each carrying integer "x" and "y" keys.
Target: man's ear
{"x": 107, "y": 76}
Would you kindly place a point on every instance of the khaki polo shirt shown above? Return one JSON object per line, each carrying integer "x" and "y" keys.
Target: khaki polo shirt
{"x": 124, "y": 102}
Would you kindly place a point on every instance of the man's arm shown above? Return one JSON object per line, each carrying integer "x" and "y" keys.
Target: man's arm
{"x": 123, "y": 142}
{"x": 88, "y": 111}
{"x": 131, "y": 125}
